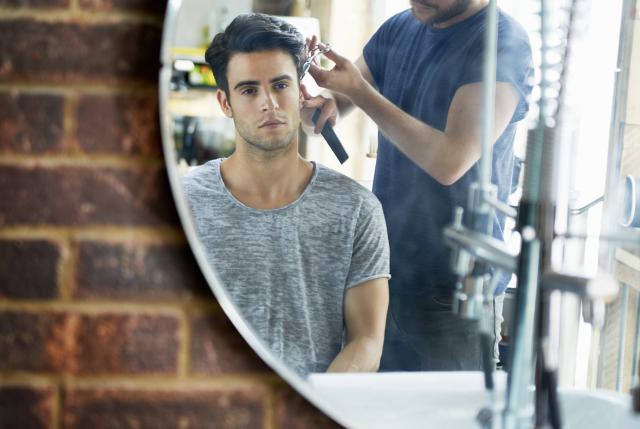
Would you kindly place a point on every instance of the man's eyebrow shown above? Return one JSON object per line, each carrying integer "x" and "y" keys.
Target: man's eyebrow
{"x": 255, "y": 82}
{"x": 281, "y": 77}
{"x": 246, "y": 83}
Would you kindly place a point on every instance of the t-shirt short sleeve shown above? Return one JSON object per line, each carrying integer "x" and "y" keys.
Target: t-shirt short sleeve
{"x": 376, "y": 50}
{"x": 370, "y": 258}
{"x": 513, "y": 66}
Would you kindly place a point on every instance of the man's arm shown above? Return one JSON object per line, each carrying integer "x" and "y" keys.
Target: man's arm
{"x": 446, "y": 155}
{"x": 365, "y": 313}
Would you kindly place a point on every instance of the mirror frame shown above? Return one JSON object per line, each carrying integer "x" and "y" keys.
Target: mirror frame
{"x": 302, "y": 386}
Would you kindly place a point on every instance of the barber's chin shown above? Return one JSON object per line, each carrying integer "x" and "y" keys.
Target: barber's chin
{"x": 422, "y": 13}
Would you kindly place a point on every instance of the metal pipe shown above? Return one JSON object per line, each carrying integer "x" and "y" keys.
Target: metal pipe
{"x": 519, "y": 408}
{"x": 502, "y": 207}
{"x": 624, "y": 311}
{"x": 531, "y": 187}
{"x": 584, "y": 209}
{"x": 629, "y": 237}
{"x": 489, "y": 87}
{"x": 484, "y": 248}
{"x": 635, "y": 371}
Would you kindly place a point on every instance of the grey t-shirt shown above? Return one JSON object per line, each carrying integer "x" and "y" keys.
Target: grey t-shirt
{"x": 287, "y": 269}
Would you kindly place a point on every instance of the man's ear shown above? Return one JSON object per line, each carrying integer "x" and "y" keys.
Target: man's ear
{"x": 223, "y": 100}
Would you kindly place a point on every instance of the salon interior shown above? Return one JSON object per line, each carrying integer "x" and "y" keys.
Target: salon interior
{"x": 570, "y": 348}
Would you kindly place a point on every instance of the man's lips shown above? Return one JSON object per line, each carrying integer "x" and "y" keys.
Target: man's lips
{"x": 271, "y": 123}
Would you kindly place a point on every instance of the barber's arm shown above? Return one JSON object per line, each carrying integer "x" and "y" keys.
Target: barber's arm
{"x": 446, "y": 155}
{"x": 365, "y": 313}
{"x": 331, "y": 104}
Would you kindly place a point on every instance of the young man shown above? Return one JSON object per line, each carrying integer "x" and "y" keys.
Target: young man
{"x": 420, "y": 80}
{"x": 301, "y": 249}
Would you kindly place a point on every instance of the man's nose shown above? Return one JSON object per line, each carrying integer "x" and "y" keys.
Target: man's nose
{"x": 270, "y": 102}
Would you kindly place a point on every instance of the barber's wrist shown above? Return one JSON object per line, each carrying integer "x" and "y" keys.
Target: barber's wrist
{"x": 360, "y": 92}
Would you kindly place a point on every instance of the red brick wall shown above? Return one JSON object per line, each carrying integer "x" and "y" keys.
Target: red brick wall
{"x": 105, "y": 320}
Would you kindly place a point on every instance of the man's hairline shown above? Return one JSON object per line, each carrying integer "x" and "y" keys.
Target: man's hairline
{"x": 274, "y": 49}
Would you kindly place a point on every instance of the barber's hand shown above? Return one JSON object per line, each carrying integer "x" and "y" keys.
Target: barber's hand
{"x": 328, "y": 111}
{"x": 344, "y": 77}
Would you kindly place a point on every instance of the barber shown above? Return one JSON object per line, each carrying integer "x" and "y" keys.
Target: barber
{"x": 420, "y": 80}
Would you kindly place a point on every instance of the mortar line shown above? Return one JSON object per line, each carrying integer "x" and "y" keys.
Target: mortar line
{"x": 184, "y": 352}
{"x": 70, "y": 125}
{"x": 167, "y": 307}
{"x": 43, "y": 380}
{"x": 67, "y": 269}
{"x": 270, "y": 413}
{"x": 79, "y": 15}
{"x": 56, "y": 414}
{"x": 110, "y": 234}
{"x": 172, "y": 381}
{"x": 83, "y": 160}
{"x": 74, "y": 6}
{"x": 71, "y": 88}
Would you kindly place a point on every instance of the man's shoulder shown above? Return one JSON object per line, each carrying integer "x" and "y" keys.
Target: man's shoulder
{"x": 200, "y": 174}
{"x": 509, "y": 27}
{"x": 339, "y": 187}
{"x": 201, "y": 179}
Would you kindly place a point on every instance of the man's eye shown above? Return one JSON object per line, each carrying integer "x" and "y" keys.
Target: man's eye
{"x": 281, "y": 85}
{"x": 248, "y": 91}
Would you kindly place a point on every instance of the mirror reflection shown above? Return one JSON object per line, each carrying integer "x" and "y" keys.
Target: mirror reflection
{"x": 405, "y": 257}
{"x": 425, "y": 100}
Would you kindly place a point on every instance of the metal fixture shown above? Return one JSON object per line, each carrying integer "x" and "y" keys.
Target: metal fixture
{"x": 475, "y": 253}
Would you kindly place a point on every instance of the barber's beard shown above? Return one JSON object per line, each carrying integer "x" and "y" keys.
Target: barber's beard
{"x": 459, "y": 7}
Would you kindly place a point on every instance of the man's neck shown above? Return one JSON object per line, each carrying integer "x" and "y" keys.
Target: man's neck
{"x": 266, "y": 182}
{"x": 474, "y": 7}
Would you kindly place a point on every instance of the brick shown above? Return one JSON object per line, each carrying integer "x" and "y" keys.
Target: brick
{"x": 33, "y": 341}
{"x": 80, "y": 196}
{"x": 137, "y": 271}
{"x": 292, "y": 411}
{"x": 133, "y": 127}
{"x": 216, "y": 347}
{"x": 31, "y": 123}
{"x": 148, "y": 6}
{"x": 26, "y": 407}
{"x": 164, "y": 409}
{"x": 126, "y": 343}
{"x": 57, "y": 52}
{"x": 106, "y": 343}
{"x": 29, "y": 269}
{"x": 35, "y": 3}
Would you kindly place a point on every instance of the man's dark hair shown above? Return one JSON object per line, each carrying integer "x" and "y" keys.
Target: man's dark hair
{"x": 253, "y": 32}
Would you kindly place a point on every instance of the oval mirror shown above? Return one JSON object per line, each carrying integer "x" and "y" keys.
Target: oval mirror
{"x": 291, "y": 239}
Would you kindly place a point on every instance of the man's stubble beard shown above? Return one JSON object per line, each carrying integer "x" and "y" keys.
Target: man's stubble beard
{"x": 266, "y": 146}
{"x": 459, "y": 7}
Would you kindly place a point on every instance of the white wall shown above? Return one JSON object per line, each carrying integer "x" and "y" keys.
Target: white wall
{"x": 199, "y": 20}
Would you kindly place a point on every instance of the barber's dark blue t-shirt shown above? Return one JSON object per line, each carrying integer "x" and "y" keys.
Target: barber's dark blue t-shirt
{"x": 419, "y": 68}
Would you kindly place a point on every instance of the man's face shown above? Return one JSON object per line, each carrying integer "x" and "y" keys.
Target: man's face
{"x": 438, "y": 11}
{"x": 264, "y": 99}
